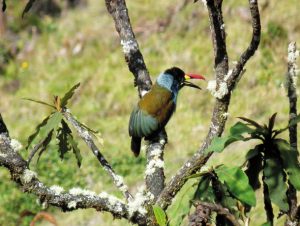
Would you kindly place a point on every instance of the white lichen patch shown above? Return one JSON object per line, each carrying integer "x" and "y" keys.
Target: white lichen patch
{"x": 72, "y": 205}
{"x": 228, "y": 75}
{"x": 16, "y": 145}
{"x": 221, "y": 92}
{"x": 139, "y": 201}
{"x": 204, "y": 2}
{"x": 3, "y": 155}
{"x": 57, "y": 189}
{"x": 156, "y": 152}
{"x": 143, "y": 92}
{"x": 225, "y": 115}
{"x": 222, "y": 26}
{"x": 28, "y": 175}
{"x": 128, "y": 46}
{"x": 152, "y": 165}
{"x": 80, "y": 191}
{"x": 112, "y": 202}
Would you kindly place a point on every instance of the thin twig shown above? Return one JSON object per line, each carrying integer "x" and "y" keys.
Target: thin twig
{"x": 220, "y": 210}
{"x": 87, "y": 138}
{"x": 219, "y": 116}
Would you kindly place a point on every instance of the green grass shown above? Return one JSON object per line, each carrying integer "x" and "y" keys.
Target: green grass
{"x": 106, "y": 96}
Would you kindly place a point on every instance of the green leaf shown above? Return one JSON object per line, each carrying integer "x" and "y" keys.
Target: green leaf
{"x": 274, "y": 178}
{"x": 238, "y": 184}
{"x": 160, "y": 215}
{"x": 37, "y": 130}
{"x": 68, "y": 95}
{"x": 204, "y": 191}
{"x": 218, "y": 144}
{"x": 239, "y": 128}
{"x": 75, "y": 148}
{"x": 62, "y": 137}
{"x": 43, "y": 129}
{"x": 45, "y": 144}
{"x": 40, "y": 102}
{"x": 272, "y": 122}
{"x": 181, "y": 205}
{"x": 290, "y": 162}
{"x": 266, "y": 224}
{"x": 251, "y": 122}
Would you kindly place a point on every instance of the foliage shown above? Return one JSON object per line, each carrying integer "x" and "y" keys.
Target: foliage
{"x": 54, "y": 124}
{"x": 160, "y": 215}
{"x": 272, "y": 156}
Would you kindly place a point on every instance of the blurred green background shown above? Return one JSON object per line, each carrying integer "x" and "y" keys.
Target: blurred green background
{"x": 45, "y": 54}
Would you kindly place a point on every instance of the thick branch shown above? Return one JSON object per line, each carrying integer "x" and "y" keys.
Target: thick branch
{"x": 118, "y": 10}
{"x": 133, "y": 56}
{"x": 219, "y": 116}
{"x": 86, "y": 136}
{"x": 67, "y": 201}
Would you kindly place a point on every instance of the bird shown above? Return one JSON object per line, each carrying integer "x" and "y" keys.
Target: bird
{"x": 155, "y": 108}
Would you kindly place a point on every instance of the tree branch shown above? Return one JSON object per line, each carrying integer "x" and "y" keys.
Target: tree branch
{"x": 291, "y": 87}
{"x": 133, "y": 55}
{"x": 56, "y": 196}
{"x": 220, "y": 210}
{"x": 87, "y": 138}
{"x": 222, "y": 92}
{"x": 118, "y": 10}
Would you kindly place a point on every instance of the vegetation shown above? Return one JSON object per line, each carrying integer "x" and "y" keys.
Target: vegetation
{"x": 82, "y": 47}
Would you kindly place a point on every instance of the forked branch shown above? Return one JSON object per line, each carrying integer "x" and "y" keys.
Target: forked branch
{"x": 223, "y": 89}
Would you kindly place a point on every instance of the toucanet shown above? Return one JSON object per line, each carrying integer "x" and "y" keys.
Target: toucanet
{"x": 156, "y": 107}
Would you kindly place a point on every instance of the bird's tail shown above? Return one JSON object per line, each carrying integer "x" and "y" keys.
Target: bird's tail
{"x": 136, "y": 145}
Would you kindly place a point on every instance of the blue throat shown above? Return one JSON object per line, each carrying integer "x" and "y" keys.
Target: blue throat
{"x": 167, "y": 81}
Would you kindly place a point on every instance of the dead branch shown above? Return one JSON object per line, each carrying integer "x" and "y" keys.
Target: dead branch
{"x": 223, "y": 88}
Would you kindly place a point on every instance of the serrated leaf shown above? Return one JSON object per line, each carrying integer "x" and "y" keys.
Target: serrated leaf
{"x": 160, "y": 215}
{"x": 45, "y": 144}
{"x": 43, "y": 129}
{"x": 181, "y": 205}
{"x": 274, "y": 178}
{"x": 62, "y": 137}
{"x": 36, "y": 132}
{"x": 204, "y": 191}
{"x": 68, "y": 95}
{"x": 39, "y": 102}
{"x": 75, "y": 148}
{"x": 290, "y": 162}
{"x": 238, "y": 184}
{"x": 28, "y": 7}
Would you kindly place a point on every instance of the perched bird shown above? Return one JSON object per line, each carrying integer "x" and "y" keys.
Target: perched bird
{"x": 156, "y": 107}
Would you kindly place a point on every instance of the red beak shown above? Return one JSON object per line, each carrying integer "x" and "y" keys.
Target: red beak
{"x": 195, "y": 76}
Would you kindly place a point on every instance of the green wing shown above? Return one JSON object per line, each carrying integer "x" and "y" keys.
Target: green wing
{"x": 142, "y": 124}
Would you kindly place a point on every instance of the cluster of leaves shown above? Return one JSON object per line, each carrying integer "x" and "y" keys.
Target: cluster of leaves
{"x": 272, "y": 157}
{"x": 233, "y": 187}
{"x": 26, "y": 9}
{"x": 54, "y": 125}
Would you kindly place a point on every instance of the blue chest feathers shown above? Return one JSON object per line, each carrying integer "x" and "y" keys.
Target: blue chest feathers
{"x": 167, "y": 81}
